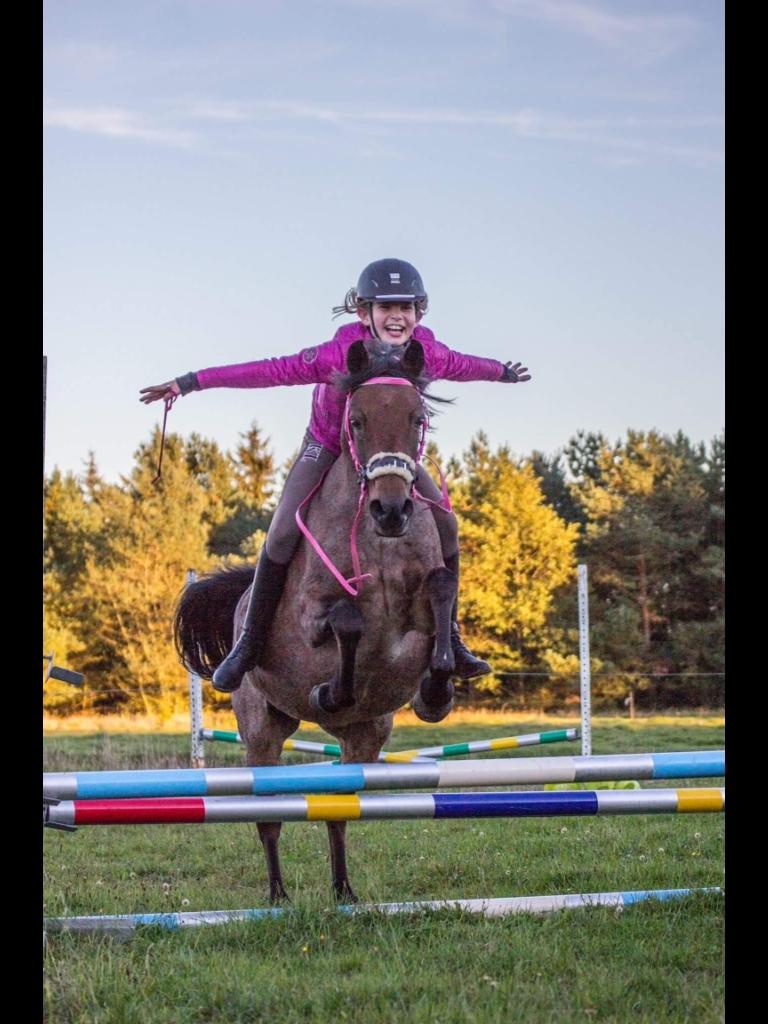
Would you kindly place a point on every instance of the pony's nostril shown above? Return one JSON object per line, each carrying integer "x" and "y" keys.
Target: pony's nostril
{"x": 391, "y": 519}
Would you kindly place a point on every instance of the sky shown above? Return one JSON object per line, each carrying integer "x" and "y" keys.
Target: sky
{"x": 218, "y": 172}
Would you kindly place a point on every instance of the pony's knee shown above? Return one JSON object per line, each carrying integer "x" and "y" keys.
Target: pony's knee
{"x": 442, "y": 585}
{"x": 345, "y": 619}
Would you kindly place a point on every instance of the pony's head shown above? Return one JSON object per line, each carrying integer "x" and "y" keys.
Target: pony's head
{"x": 385, "y": 423}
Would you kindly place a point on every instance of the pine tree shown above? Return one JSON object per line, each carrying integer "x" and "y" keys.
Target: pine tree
{"x": 554, "y": 486}
{"x": 652, "y": 564}
{"x": 250, "y": 507}
{"x": 126, "y": 602}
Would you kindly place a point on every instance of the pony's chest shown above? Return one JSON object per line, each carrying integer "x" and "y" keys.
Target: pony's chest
{"x": 394, "y": 600}
{"x": 396, "y": 567}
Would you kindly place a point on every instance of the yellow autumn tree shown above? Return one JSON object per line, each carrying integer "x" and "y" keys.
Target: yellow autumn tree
{"x": 72, "y": 532}
{"x": 516, "y": 553}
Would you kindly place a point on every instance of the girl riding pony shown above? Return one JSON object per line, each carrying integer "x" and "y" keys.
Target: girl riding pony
{"x": 389, "y": 301}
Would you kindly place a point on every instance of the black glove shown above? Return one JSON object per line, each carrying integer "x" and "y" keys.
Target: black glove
{"x": 514, "y": 372}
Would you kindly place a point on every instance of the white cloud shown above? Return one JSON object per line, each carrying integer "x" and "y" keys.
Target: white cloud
{"x": 263, "y": 109}
{"x": 631, "y": 135}
{"x": 82, "y": 57}
{"x": 215, "y": 110}
{"x": 639, "y": 137}
{"x": 645, "y": 36}
{"x": 648, "y": 36}
{"x": 113, "y": 122}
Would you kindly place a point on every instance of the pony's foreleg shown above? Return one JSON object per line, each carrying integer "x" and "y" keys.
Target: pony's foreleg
{"x": 269, "y": 834}
{"x": 435, "y": 696}
{"x": 360, "y": 744}
{"x": 338, "y": 693}
{"x": 337, "y": 838}
{"x": 264, "y": 729}
{"x": 442, "y": 586}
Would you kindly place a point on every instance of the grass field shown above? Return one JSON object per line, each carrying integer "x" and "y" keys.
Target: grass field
{"x": 652, "y": 962}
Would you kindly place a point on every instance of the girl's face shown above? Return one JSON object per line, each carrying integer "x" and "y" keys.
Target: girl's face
{"x": 392, "y": 321}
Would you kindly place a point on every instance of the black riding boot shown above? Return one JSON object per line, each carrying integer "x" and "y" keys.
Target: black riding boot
{"x": 468, "y": 666}
{"x": 267, "y": 589}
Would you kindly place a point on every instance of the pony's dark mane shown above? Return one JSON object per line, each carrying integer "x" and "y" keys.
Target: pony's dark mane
{"x": 384, "y": 361}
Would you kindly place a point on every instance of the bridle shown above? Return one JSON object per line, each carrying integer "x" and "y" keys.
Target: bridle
{"x": 380, "y": 464}
{"x": 385, "y": 463}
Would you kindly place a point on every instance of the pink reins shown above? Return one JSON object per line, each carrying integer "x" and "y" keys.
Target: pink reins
{"x": 398, "y": 463}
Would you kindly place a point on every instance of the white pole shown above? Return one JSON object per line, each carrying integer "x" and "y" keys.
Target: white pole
{"x": 197, "y": 749}
{"x": 586, "y": 687}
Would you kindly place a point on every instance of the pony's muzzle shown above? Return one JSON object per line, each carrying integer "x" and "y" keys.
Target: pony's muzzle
{"x": 391, "y": 517}
{"x": 390, "y": 476}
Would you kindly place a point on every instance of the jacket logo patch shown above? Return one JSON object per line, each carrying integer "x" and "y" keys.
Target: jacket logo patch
{"x": 309, "y": 355}
{"x": 312, "y": 453}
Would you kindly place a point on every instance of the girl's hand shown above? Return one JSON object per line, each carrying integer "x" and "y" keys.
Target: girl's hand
{"x": 157, "y": 391}
{"x": 514, "y": 373}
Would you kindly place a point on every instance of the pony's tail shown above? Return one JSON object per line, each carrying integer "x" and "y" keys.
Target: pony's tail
{"x": 203, "y": 620}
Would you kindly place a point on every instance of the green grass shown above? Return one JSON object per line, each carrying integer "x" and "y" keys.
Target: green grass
{"x": 659, "y": 962}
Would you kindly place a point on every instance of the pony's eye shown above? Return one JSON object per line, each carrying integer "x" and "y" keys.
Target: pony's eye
{"x": 355, "y": 423}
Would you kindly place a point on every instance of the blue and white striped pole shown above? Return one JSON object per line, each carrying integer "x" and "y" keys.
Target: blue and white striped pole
{"x": 493, "y": 907}
{"x": 352, "y": 778}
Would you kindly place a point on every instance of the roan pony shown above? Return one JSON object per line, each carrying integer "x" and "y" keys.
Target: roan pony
{"x": 346, "y": 657}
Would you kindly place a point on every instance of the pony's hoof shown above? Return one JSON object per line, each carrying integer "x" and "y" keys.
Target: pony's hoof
{"x": 429, "y": 713}
{"x": 319, "y": 700}
{"x": 344, "y": 893}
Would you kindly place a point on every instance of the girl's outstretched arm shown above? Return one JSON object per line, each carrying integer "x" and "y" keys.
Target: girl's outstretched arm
{"x": 443, "y": 363}
{"x": 314, "y": 365}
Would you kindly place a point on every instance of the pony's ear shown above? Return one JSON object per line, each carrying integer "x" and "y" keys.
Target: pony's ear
{"x": 357, "y": 357}
{"x": 413, "y": 358}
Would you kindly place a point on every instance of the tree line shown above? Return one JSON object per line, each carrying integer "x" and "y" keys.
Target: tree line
{"x": 646, "y": 513}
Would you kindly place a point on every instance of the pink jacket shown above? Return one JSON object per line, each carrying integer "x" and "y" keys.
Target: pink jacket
{"x": 318, "y": 365}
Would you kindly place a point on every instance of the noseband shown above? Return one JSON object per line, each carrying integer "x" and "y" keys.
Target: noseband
{"x": 381, "y": 464}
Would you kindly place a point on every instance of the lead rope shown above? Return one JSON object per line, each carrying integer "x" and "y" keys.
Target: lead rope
{"x": 446, "y": 502}
{"x": 168, "y": 403}
{"x": 358, "y": 577}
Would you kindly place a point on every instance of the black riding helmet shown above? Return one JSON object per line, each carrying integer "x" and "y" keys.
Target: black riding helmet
{"x": 388, "y": 280}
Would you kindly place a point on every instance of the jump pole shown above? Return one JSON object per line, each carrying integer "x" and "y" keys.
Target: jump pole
{"x": 395, "y": 756}
{"x": 349, "y": 807}
{"x": 352, "y": 778}
{"x": 493, "y": 907}
{"x": 478, "y": 746}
